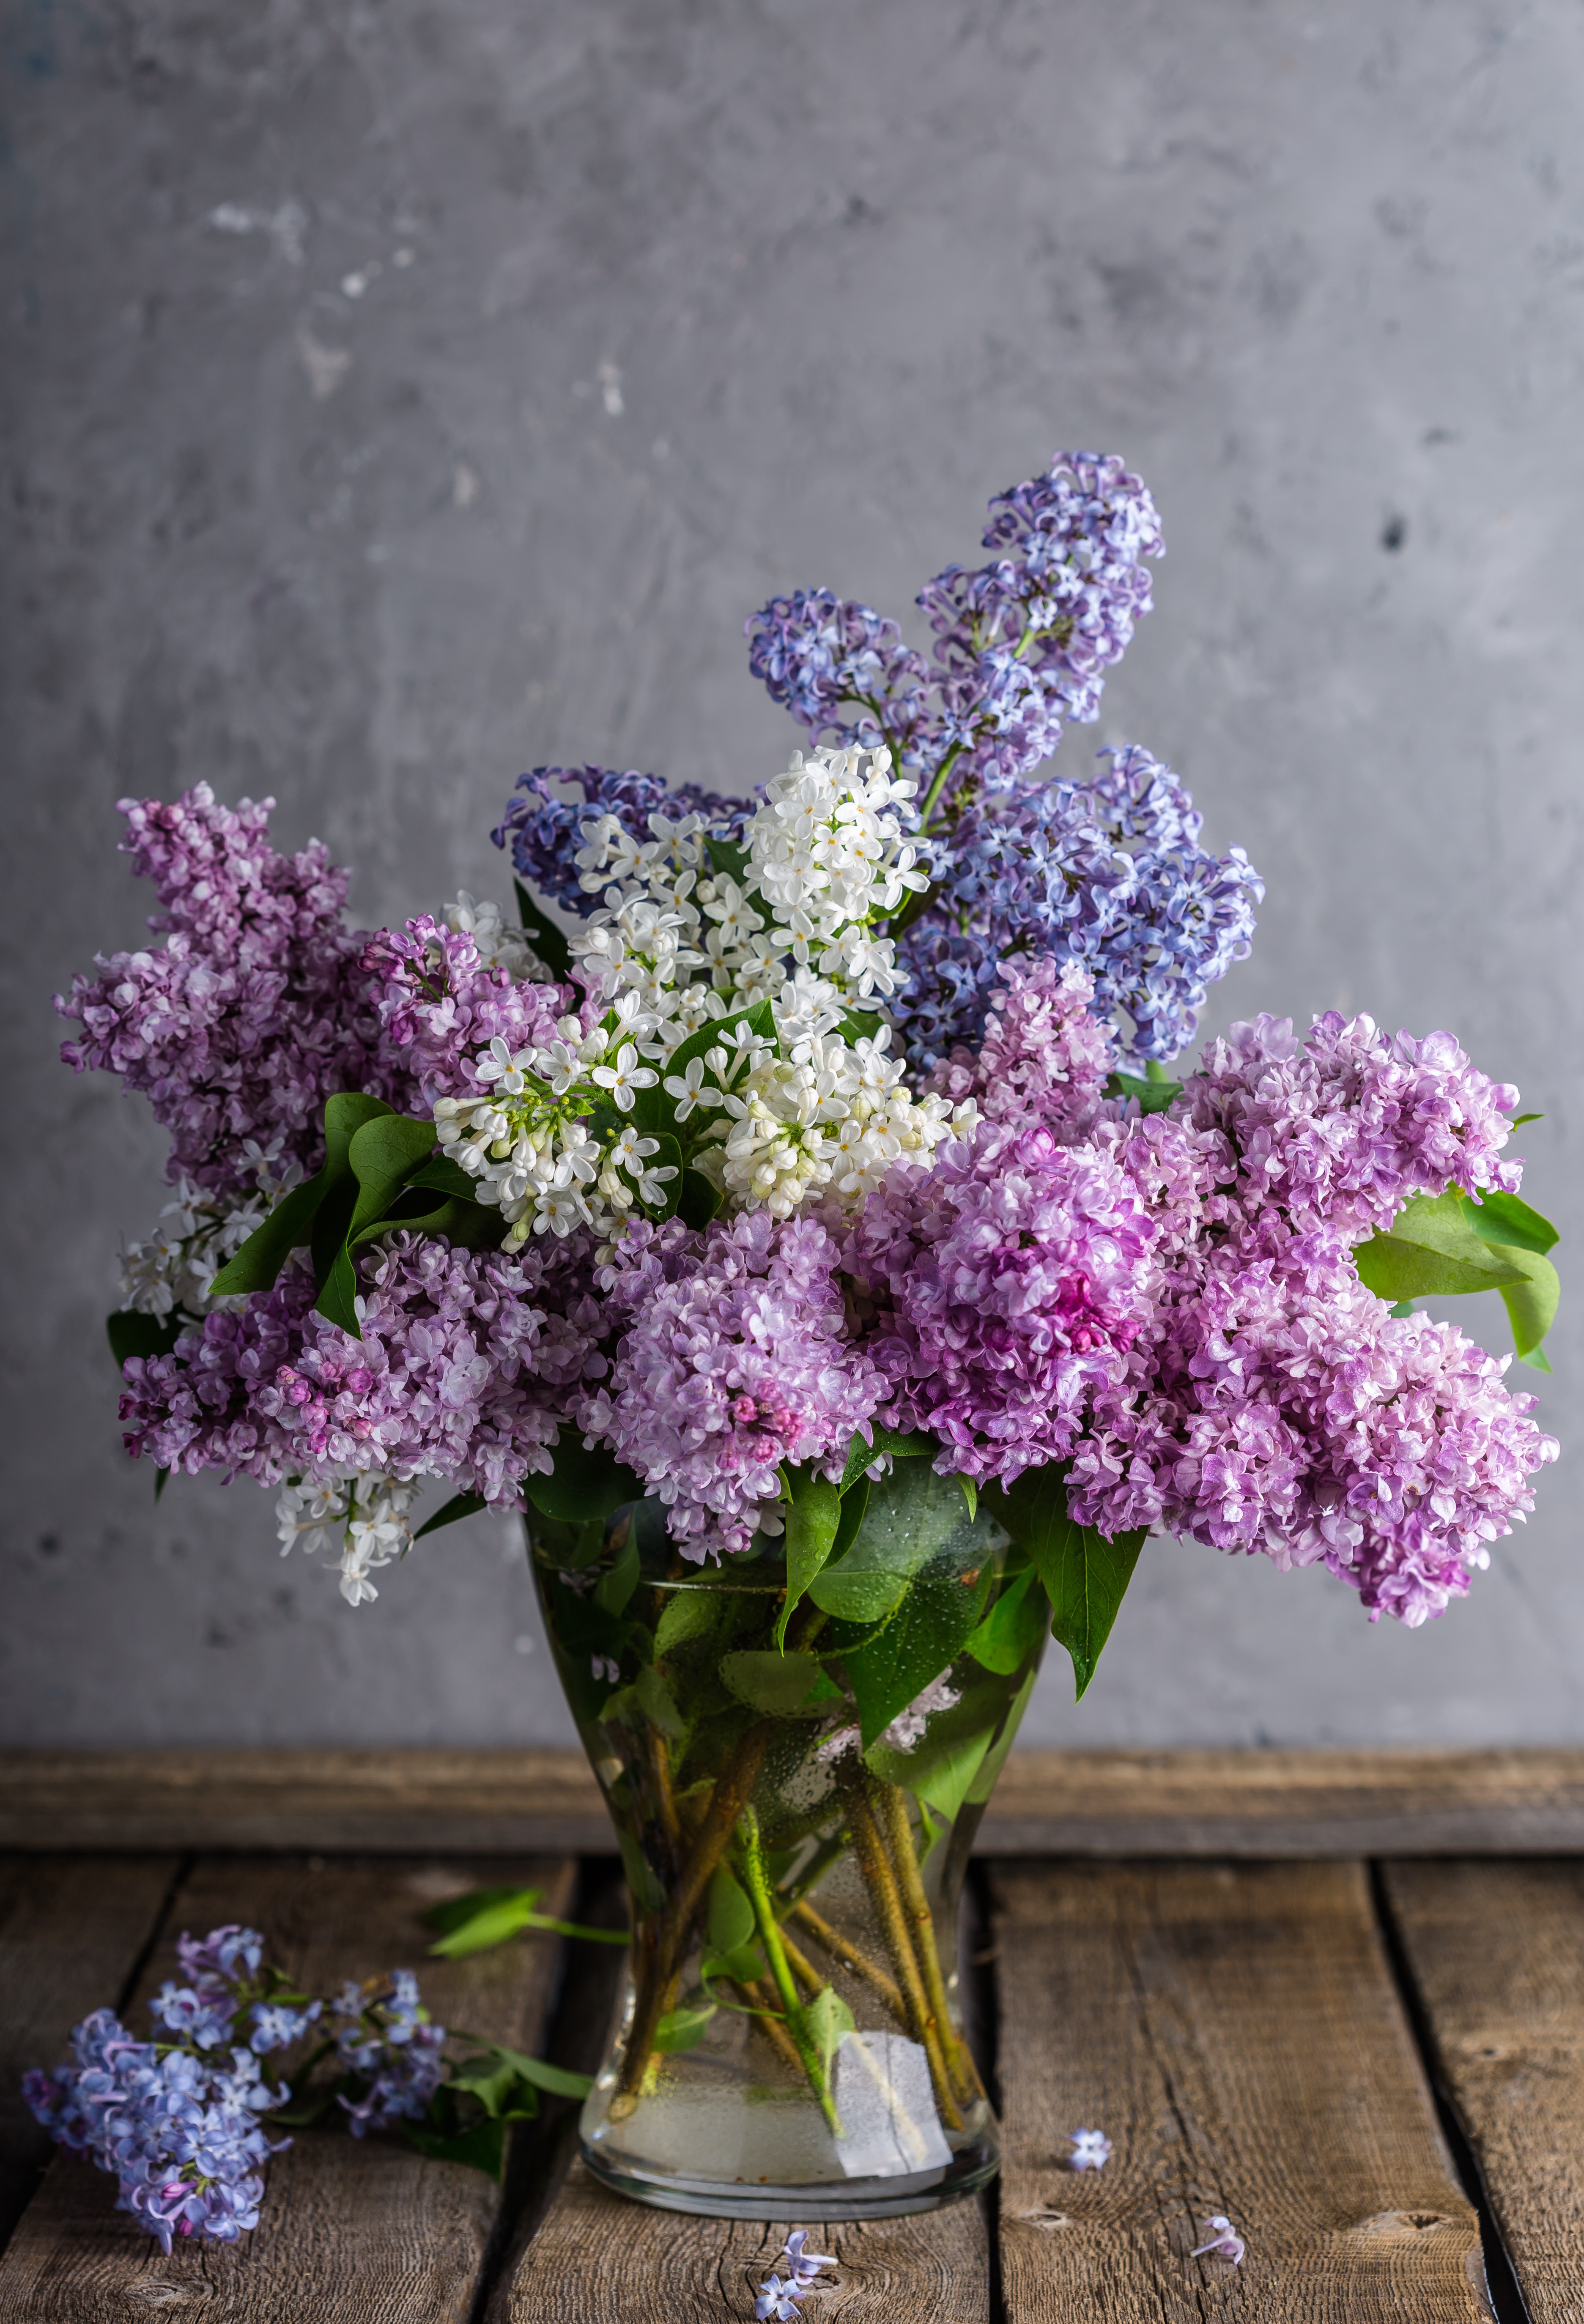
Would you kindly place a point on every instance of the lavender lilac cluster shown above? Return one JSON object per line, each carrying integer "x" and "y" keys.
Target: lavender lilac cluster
{"x": 1109, "y": 873}
{"x": 542, "y": 829}
{"x": 1021, "y": 644}
{"x": 395, "y": 2056}
{"x": 177, "y": 2122}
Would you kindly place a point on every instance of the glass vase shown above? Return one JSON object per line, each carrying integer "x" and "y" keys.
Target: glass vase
{"x": 790, "y": 2043}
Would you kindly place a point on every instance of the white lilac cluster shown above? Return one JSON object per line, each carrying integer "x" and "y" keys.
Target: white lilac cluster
{"x": 363, "y": 1522}
{"x": 498, "y": 943}
{"x": 197, "y": 1233}
{"x": 677, "y": 943}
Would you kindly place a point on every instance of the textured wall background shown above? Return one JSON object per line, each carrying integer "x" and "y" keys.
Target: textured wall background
{"x": 403, "y": 395}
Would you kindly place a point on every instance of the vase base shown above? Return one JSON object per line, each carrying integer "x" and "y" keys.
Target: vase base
{"x": 821, "y": 2199}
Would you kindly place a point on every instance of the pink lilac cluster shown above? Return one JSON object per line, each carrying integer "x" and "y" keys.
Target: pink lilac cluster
{"x": 1274, "y": 1404}
{"x": 439, "y": 1005}
{"x": 1008, "y": 1284}
{"x": 253, "y": 1009}
{"x": 460, "y": 1373}
{"x": 1044, "y": 1057}
{"x": 1338, "y": 1130}
{"x": 736, "y": 1358}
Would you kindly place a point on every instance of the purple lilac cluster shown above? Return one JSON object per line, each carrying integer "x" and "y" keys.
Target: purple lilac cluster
{"x": 253, "y": 1009}
{"x": 542, "y": 830}
{"x": 177, "y": 2123}
{"x": 385, "y": 2042}
{"x": 1021, "y": 645}
{"x": 1044, "y": 1057}
{"x": 1273, "y": 1404}
{"x": 439, "y": 1005}
{"x": 460, "y": 1372}
{"x": 736, "y": 1359}
{"x": 1110, "y": 871}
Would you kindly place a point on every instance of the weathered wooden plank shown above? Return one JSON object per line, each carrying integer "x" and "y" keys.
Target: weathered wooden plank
{"x": 1235, "y": 2030}
{"x": 71, "y": 1930}
{"x": 1258, "y": 1804}
{"x": 1496, "y": 1951}
{"x": 598, "y": 2257}
{"x": 364, "y": 2230}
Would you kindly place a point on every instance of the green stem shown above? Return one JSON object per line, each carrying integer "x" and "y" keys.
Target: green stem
{"x": 756, "y": 1880}
{"x": 880, "y": 1881}
{"x": 937, "y": 787}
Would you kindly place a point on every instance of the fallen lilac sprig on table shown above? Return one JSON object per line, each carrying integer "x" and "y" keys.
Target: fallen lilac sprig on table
{"x": 780, "y": 2297}
{"x": 1226, "y": 2241}
{"x": 180, "y": 2121}
{"x": 1092, "y": 2150}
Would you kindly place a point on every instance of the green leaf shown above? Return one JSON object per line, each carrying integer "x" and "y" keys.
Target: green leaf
{"x": 995, "y": 1758}
{"x": 911, "y": 1516}
{"x": 970, "y": 1495}
{"x": 1537, "y": 1359}
{"x": 685, "y": 2028}
{"x": 561, "y": 2081}
{"x": 938, "y": 1612}
{"x": 812, "y": 1520}
{"x": 446, "y": 1178}
{"x": 256, "y": 1267}
{"x": 655, "y": 1110}
{"x": 483, "y": 2145}
{"x": 1531, "y": 1306}
{"x": 460, "y": 1505}
{"x": 612, "y": 1590}
{"x": 338, "y": 1298}
{"x": 1504, "y": 1219}
{"x": 731, "y": 1915}
{"x": 346, "y": 1114}
{"x": 548, "y": 941}
{"x": 772, "y": 1681}
{"x": 863, "y": 1454}
{"x": 699, "y": 1201}
{"x": 940, "y": 1767}
{"x": 1153, "y": 1095}
{"x": 1084, "y": 1574}
{"x": 384, "y": 1154}
{"x": 648, "y": 1701}
{"x": 689, "y": 1614}
{"x": 1013, "y": 1628}
{"x": 861, "y": 1025}
{"x": 728, "y": 859}
{"x": 132, "y": 1334}
{"x": 1430, "y": 1249}
{"x": 163, "y": 1476}
{"x": 583, "y": 1484}
{"x": 1520, "y": 1118}
{"x": 821, "y": 2023}
{"x": 476, "y": 1923}
{"x": 854, "y": 1508}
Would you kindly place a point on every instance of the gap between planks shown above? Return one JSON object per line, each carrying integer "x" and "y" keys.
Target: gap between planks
{"x": 351, "y": 2231}
{"x": 1236, "y": 2032}
{"x": 1496, "y": 1953}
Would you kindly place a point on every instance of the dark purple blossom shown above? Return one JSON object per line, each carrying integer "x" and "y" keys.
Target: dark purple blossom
{"x": 543, "y": 830}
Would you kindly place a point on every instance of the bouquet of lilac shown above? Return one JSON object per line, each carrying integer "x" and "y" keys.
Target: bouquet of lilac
{"x": 181, "y": 2121}
{"x": 797, "y": 1223}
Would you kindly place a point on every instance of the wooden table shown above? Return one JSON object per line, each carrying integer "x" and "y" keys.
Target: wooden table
{"x": 1339, "y": 1997}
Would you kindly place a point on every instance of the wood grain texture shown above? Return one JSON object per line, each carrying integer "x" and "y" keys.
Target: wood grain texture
{"x": 72, "y": 1931}
{"x": 1235, "y": 2030}
{"x": 1496, "y": 1951}
{"x": 598, "y": 2257}
{"x": 1260, "y": 1804}
{"x": 366, "y": 2230}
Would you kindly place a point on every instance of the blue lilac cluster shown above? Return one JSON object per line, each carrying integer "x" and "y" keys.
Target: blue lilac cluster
{"x": 178, "y": 2121}
{"x": 384, "y": 2040}
{"x": 1021, "y": 645}
{"x": 1109, "y": 873}
{"x": 542, "y": 830}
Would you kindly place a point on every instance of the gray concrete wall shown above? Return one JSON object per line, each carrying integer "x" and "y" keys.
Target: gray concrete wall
{"x": 400, "y": 395}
